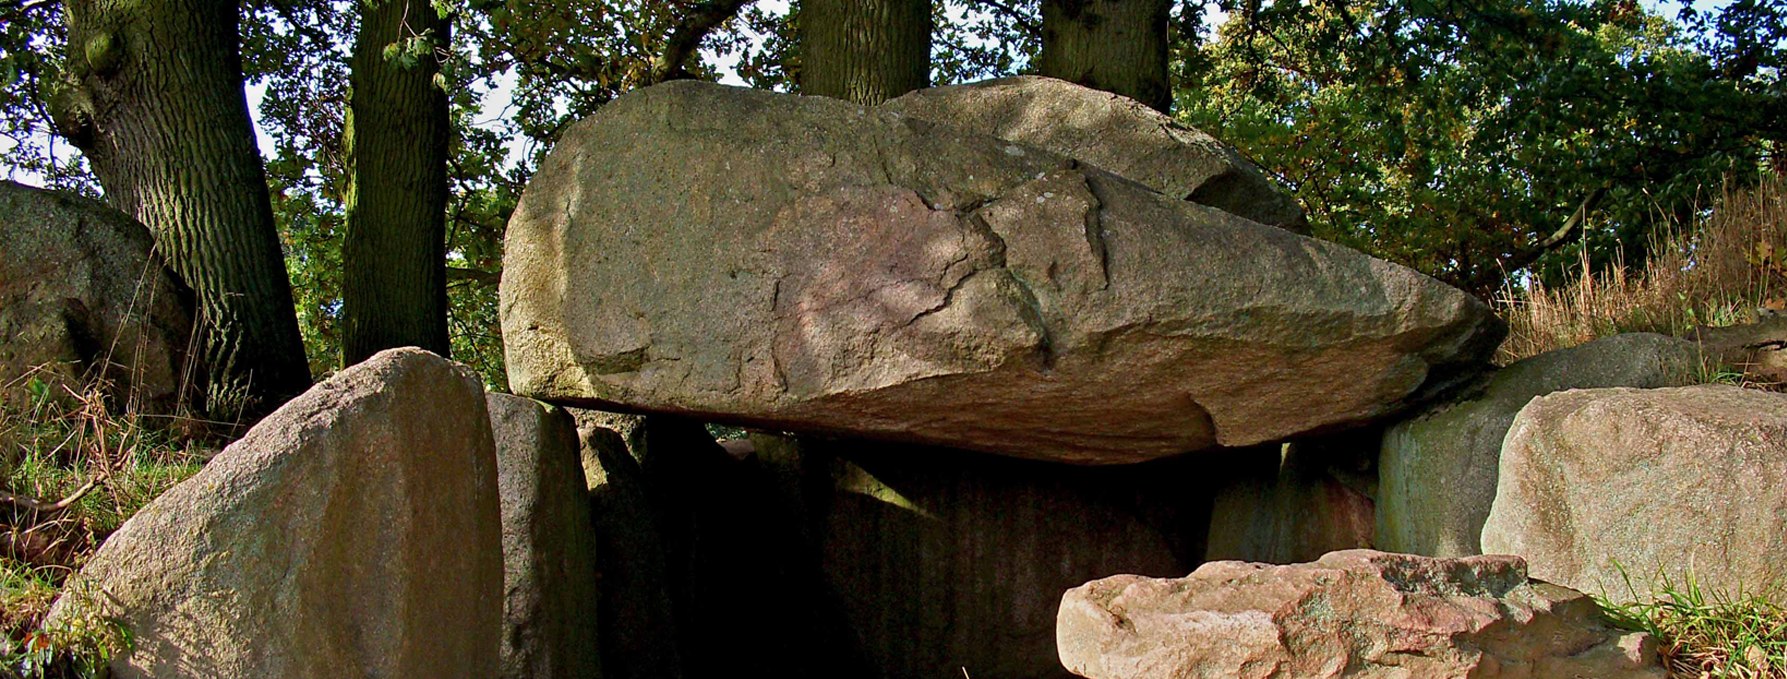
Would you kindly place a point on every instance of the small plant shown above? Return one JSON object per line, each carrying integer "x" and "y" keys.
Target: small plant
{"x": 80, "y": 645}
{"x": 1709, "y": 635}
{"x": 71, "y": 472}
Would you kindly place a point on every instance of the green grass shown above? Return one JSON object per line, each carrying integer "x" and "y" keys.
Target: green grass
{"x": 71, "y": 472}
{"x": 1710, "y": 634}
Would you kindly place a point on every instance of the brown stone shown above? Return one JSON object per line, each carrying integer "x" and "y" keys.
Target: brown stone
{"x": 83, "y": 292}
{"x": 1356, "y": 614}
{"x": 1438, "y": 471}
{"x": 944, "y": 562}
{"x": 804, "y": 264}
{"x": 549, "y": 568}
{"x": 1757, "y": 351}
{"x": 1613, "y": 490}
{"x": 353, "y": 532}
{"x": 1295, "y": 502}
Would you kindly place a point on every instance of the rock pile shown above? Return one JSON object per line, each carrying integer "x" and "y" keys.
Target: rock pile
{"x": 902, "y": 300}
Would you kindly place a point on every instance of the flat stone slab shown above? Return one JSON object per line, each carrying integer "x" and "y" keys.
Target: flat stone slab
{"x": 805, "y": 264}
{"x": 1355, "y": 614}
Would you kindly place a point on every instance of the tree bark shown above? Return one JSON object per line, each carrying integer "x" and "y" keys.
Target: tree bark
{"x": 394, "y": 288}
{"x": 154, "y": 99}
{"x": 1118, "y": 46}
{"x": 865, "y": 51}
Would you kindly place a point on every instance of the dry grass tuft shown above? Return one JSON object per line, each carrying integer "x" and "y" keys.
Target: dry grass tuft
{"x": 1728, "y": 269}
{"x": 71, "y": 472}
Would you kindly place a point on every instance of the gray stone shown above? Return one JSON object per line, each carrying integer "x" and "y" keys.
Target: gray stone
{"x": 1601, "y": 485}
{"x": 706, "y": 567}
{"x": 1438, "y": 471}
{"x": 1356, "y": 614}
{"x": 805, "y": 264}
{"x": 353, "y": 532}
{"x": 1112, "y": 132}
{"x": 549, "y": 569}
{"x": 83, "y": 291}
{"x": 638, "y": 634}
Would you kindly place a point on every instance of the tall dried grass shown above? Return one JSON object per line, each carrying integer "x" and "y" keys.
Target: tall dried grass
{"x": 1728, "y": 268}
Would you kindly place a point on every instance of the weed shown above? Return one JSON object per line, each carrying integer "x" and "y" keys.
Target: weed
{"x": 1709, "y": 635}
{"x": 71, "y": 472}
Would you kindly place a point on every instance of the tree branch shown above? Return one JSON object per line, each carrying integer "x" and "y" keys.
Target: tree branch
{"x": 455, "y": 273}
{"x": 41, "y": 506}
{"x": 1011, "y": 12}
{"x": 687, "y": 37}
{"x": 1588, "y": 203}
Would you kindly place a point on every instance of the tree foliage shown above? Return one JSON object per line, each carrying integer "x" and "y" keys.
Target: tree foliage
{"x": 1462, "y": 136}
{"x": 1457, "y": 136}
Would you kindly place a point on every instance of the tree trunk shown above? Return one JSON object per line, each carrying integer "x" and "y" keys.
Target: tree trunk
{"x": 865, "y": 51}
{"x": 155, "y": 102}
{"x": 394, "y": 290}
{"x": 1117, "y": 46}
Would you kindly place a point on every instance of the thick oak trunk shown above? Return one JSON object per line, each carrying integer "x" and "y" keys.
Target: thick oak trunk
{"x": 394, "y": 290}
{"x": 865, "y": 51}
{"x": 155, "y": 101}
{"x": 1117, "y": 46}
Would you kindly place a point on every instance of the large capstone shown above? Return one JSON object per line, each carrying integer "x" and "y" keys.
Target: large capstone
{"x": 805, "y": 264}
{"x": 1115, "y": 133}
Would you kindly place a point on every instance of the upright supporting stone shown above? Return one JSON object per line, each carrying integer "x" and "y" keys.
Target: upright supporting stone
{"x": 355, "y": 532}
{"x": 549, "y": 569}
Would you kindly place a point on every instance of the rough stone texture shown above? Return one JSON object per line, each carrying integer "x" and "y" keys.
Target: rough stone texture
{"x": 943, "y": 561}
{"x": 1758, "y": 350}
{"x": 1438, "y": 471}
{"x": 1656, "y": 481}
{"x": 602, "y": 431}
{"x": 549, "y": 569}
{"x": 81, "y": 287}
{"x": 800, "y": 263}
{"x": 1295, "y": 502}
{"x": 1355, "y": 614}
{"x": 1112, "y": 132}
{"x": 353, "y": 532}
